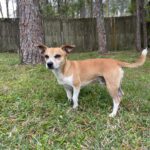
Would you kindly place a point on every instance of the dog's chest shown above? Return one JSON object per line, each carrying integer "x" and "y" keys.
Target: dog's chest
{"x": 64, "y": 80}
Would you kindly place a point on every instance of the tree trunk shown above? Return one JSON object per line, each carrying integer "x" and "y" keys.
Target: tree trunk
{"x": 138, "y": 26}
{"x": 7, "y": 1}
{"x": 14, "y": 13}
{"x": 17, "y": 8}
{"x": 1, "y": 10}
{"x": 30, "y": 25}
{"x": 141, "y": 30}
{"x": 91, "y": 6}
{"x": 59, "y": 7}
{"x": 100, "y": 27}
{"x": 143, "y": 13}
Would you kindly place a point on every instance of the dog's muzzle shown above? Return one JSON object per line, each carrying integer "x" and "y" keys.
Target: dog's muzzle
{"x": 50, "y": 65}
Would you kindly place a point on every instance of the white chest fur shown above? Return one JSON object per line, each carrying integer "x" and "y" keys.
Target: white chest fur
{"x": 62, "y": 79}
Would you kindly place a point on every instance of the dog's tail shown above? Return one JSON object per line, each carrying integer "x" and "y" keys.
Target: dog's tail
{"x": 138, "y": 63}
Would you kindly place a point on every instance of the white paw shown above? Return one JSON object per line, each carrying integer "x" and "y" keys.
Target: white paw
{"x": 75, "y": 106}
{"x": 144, "y": 52}
{"x": 112, "y": 115}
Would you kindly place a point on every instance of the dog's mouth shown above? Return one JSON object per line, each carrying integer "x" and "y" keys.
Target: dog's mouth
{"x": 51, "y": 68}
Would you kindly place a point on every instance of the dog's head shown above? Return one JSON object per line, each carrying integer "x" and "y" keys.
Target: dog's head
{"x": 55, "y": 57}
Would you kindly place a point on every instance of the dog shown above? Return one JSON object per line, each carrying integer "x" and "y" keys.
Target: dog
{"x": 74, "y": 75}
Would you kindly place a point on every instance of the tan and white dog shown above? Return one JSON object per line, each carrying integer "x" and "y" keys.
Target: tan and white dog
{"x": 75, "y": 74}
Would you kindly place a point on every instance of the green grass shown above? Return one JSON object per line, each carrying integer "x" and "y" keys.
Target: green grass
{"x": 34, "y": 111}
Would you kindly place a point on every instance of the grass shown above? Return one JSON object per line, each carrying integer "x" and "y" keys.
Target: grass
{"x": 34, "y": 111}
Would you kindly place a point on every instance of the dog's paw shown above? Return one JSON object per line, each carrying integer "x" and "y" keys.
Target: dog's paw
{"x": 75, "y": 106}
{"x": 112, "y": 115}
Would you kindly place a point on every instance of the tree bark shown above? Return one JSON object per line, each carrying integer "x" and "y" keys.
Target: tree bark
{"x": 31, "y": 34}
{"x": 138, "y": 26}
{"x": 100, "y": 27}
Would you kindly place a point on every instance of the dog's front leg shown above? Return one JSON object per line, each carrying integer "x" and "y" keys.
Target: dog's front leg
{"x": 76, "y": 91}
{"x": 68, "y": 90}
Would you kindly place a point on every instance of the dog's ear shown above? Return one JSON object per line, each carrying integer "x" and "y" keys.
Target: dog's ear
{"x": 67, "y": 48}
{"x": 42, "y": 48}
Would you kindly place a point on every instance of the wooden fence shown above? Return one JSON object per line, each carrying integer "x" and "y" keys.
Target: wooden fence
{"x": 120, "y": 33}
{"x": 9, "y": 35}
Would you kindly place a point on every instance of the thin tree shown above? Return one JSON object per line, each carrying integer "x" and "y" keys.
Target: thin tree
{"x": 13, "y": 7}
{"x": 144, "y": 26}
{"x": 31, "y": 34}
{"x": 59, "y": 6}
{"x": 141, "y": 28}
{"x": 17, "y": 8}
{"x": 138, "y": 26}
{"x": 91, "y": 8}
{"x": 100, "y": 26}
{"x": 7, "y": 8}
{"x": 1, "y": 10}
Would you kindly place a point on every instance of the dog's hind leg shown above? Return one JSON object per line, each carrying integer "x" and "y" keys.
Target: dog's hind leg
{"x": 113, "y": 91}
{"x": 113, "y": 84}
{"x": 116, "y": 102}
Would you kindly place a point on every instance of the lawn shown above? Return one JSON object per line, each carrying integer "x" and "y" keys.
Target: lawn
{"x": 35, "y": 113}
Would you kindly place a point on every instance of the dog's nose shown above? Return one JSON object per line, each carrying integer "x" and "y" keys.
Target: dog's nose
{"x": 50, "y": 65}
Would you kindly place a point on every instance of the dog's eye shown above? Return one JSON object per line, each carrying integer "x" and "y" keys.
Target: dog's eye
{"x": 57, "y": 56}
{"x": 46, "y": 56}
